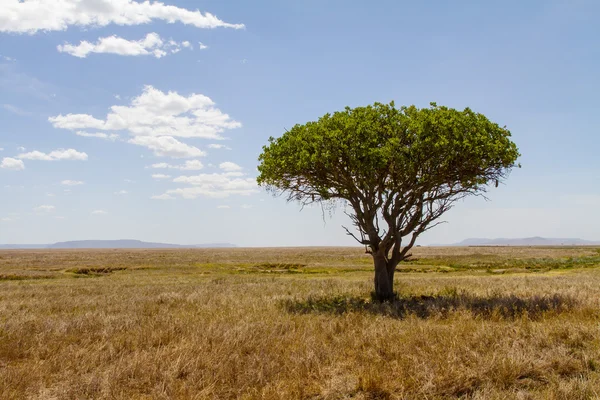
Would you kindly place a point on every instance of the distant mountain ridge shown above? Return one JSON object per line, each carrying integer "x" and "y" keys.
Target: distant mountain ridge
{"x": 531, "y": 241}
{"x": 112, "y": 244}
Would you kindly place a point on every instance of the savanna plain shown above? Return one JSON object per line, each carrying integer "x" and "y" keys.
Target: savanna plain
{"x": 299, "y": 323}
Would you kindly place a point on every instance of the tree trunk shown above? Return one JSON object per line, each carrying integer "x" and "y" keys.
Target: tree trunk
{"x": 384, "y": 278}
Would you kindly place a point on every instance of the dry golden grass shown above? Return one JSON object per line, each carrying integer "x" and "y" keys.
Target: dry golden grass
{"x": 475, "y": 323}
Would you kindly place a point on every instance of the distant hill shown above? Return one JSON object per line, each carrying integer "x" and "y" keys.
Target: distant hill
{"x": 111, "y": 244}
{"x": 531, "y": 241}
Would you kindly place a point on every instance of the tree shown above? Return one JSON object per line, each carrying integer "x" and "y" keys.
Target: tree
{"x": 398, "y": 170}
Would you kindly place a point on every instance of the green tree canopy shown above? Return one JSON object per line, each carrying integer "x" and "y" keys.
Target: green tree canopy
{"x": 398, "y": 169}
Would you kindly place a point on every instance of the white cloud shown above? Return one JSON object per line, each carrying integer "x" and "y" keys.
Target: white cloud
{"x": 167, "y": 146}
{"x": 31, "y": 16}
{"x": 60, "y": 154}
{"x": 59, "y": 217}
{"x": 69, "y": 182}
{"x": 112, "y": 137}
{"x": 99, "y": 212}
{"x": 218, "y": 146}
{"x": 21, "y": 148}
{"x": 157, "y": 114}
{"x": 122, "y": 192}
{"x": 152, "y": 44}
{"x": 214, "y": 185}
{"x": 230, "y": 167}
{"x": 161, "y": 176}
{"x": 223, "y": 206}
{"x": 12, "y": 164}
{"x": 7, "y": 58}
{"x": 247, "y": 206}
{"x": 50, "y": 194}
{"x": 190, "y": 165}
{"x": 202, "y": 46}
{"x": 163, "y": 196}
{"x": 44, "y": 208}
{"x": 1, "y": 148}
{"x": 155, "y": 119}
{"x": 76, "y": 121}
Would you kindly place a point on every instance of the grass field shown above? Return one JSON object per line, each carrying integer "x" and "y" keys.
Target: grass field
{"x": 298, "y": 323}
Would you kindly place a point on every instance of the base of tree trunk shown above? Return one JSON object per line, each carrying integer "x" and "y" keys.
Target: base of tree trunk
{"x": 384, "y": 279}
{"x": 384, "y": 297}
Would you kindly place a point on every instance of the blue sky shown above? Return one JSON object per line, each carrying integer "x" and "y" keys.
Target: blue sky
{"x": 93, "y": 96}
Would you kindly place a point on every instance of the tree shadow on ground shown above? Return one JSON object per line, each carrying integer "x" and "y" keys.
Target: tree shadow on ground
{"x": 438, "y": 305}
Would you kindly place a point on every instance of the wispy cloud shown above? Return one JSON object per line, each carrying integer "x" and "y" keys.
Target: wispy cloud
{"x": 112, "y": 137}
{"x": 44, "y": 209}
{"x": 69, "y": 182}
{"x": 190, "y": 165}
{"x": 50, "y": 15}
{"x": 56, "y": 155}
{"x": 16, "y": 110}
{"x": 163, "y": 196}
{"x": 218, "y": 146}
{"x": 12, "y": 80}
{"x": 151, "y": 45}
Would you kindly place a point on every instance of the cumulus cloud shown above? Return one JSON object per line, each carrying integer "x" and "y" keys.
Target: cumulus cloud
{"x": 247, "y": 206}
{"x": 121, "y": 192}
{"x": 230, "y": 167}
{"x": 167, "y": 146}
{"x": 223, "y": 206}
{"x": 56, "y": 155}
{"x": 161, "y": 176}
{"x": 31, "y": 16}
{"x": 190, "y": 165}
{"x": 99, "y": 212}
{"x": 44, "y": 209}
{"x": 69, "y": 182}
{"x": 156, "y": 113}
{"x": 152, "y": 45}
{"x": 155, "y": 119}
{"x": 112, "y": 137}
{"x": 214, "y": 185}
{"x": 12, "y": 164}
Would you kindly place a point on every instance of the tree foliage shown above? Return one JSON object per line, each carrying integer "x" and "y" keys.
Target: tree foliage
{"x": 398, "y": 169}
